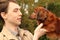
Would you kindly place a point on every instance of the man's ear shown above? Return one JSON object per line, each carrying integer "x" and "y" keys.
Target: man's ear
{"x": 3, "y": 15}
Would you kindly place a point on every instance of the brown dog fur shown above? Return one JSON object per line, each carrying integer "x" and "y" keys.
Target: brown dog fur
{"x": 51, "y": 22}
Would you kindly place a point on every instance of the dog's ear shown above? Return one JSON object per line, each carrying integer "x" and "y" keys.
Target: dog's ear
{"x": 51, "y": 17}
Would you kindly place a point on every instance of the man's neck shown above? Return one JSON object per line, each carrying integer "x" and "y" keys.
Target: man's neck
{"x": 11, "y": 27}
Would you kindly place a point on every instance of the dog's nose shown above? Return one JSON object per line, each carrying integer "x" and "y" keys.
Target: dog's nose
{"x": 30, "y": 17}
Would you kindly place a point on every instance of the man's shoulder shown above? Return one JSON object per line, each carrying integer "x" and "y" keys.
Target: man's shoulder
{"x": 26, "y": 32}
{"x": 1, "y": 36}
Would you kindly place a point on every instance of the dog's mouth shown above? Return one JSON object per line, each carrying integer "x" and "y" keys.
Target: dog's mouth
{"x": 41, "y": 17}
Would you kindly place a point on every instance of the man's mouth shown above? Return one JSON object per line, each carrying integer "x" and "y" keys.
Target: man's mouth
{"x": 19, "y": 19}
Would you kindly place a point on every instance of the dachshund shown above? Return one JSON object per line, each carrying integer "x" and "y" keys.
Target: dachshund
{"x": 50, "y": 22}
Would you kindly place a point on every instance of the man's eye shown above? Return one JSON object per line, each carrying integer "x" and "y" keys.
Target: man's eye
{"x": 15, "y": 10}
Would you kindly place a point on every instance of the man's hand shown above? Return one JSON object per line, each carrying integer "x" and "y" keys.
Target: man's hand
{"x": 39, "y": 31}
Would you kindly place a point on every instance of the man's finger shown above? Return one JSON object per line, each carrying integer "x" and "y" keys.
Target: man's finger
{"x": 44, "y": 30}
{"x": 39, "y": 26}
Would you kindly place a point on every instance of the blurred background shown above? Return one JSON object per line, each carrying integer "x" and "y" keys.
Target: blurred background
{"x": 27, "y": 7}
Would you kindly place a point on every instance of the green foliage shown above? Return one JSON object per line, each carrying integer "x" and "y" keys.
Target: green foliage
{"x": 55, "y": 8}
{"x": 27, "y": 23}
{"x": 43, "y": 38}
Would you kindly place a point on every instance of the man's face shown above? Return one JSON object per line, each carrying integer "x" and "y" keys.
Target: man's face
{"x": 13, "y": 14}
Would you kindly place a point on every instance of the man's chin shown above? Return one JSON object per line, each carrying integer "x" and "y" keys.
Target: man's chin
{"x": 19, "y": 23}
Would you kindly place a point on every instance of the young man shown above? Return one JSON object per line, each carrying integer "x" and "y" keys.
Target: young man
{"x": 11, "y": 15}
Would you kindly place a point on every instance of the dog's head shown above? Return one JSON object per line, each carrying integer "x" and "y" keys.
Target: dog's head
{"x": 41, "y": 14}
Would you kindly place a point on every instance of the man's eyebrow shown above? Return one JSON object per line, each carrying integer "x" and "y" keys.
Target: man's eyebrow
{"x": 17, "y": 8}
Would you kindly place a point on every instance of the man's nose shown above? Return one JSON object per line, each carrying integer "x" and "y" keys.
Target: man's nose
{"x": 20, "y": 13}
